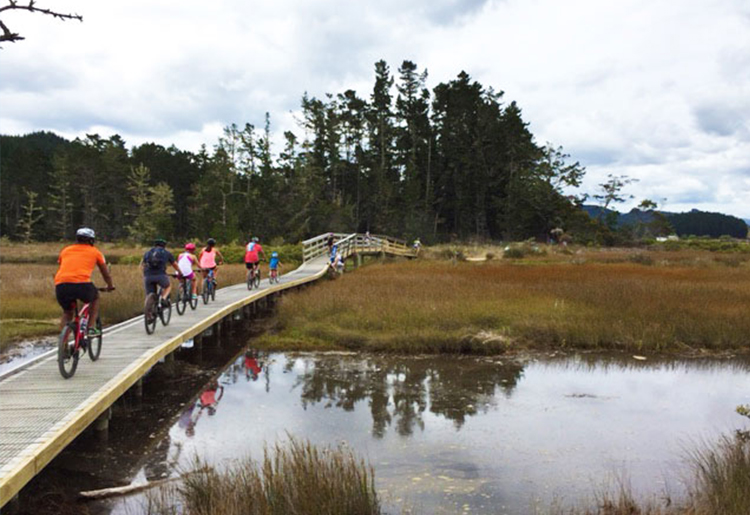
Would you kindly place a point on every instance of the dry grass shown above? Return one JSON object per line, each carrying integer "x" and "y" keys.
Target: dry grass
{"x": 297, "y": 478}
{"x": 429, "y": 306}
{"x": 47, "y": 252}
{"x": 27, "y": 298}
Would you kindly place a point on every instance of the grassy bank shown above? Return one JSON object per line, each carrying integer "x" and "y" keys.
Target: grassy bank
{"x": 27, "y": 298}
{"x": 616, "y": 302}
{"x": 293, "y": 478}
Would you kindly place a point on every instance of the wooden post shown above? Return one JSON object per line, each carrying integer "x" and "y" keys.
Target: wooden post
{"x": 169, "y": 367}
{"x": 138, "y": 388}
{"x": 101, "y": 425}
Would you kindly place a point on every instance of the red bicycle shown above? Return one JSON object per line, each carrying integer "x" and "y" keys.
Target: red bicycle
{"x": 74, "y": 339}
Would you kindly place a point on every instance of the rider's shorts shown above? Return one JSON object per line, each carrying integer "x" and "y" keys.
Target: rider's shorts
{"x": 68, "y": 293}
{"x": 150, "y": 282}
{"x": 250, "y": 265}
{"x": 189, "y": 277}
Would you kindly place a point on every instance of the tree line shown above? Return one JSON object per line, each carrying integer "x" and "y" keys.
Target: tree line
{"x": 453, "y": 162}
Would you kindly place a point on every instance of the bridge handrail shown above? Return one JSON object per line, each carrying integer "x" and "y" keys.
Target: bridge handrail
{"x": 350, "y": 243}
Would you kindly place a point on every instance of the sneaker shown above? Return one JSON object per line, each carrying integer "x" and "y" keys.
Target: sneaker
{"x": 164, "y": 303}
{"x": 94, "y": 332}
{"x": 195, "y": 297}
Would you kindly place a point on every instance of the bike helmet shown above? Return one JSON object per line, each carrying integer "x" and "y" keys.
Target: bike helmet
{"x": 160, "y": 242}
{"x": 255, "y": 239}
{"x": 211, "y": 242}
{"x": 84, "y": 233}
{"x": 274, "y": 254}
{"x": 190, "y": 246}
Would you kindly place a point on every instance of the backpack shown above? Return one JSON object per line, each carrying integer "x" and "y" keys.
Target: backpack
{"x": 154, "y": 259}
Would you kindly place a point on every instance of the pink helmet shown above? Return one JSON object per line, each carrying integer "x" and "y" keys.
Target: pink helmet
{"x": 190, "y": 246}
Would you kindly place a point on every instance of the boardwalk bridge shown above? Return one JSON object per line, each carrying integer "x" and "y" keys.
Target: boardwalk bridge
{"x": 41, "y": 413}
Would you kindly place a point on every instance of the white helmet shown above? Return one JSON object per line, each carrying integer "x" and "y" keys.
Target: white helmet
{"x": 85, "y": 232}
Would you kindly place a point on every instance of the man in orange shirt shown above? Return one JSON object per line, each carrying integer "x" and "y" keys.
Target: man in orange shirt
{"x": 73, "y": 278}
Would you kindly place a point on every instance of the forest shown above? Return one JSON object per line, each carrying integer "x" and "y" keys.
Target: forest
{"x": 456, "y": 162}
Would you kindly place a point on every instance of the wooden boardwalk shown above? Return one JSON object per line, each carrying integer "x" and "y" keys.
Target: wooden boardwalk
{"x": 41, "y": 413}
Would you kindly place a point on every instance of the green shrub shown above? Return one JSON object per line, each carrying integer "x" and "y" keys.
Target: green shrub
{"x": 514, "y": 252}
{"x": 131, "y": 259}
{"x": 641, "y": 259}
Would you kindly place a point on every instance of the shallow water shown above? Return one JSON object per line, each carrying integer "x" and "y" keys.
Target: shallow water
{"x": 479, "y": 435}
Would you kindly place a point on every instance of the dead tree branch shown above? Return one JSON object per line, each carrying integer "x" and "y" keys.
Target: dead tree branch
{"x": 14, "y": 5}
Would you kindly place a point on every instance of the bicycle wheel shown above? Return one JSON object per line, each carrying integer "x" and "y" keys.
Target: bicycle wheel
{"x": 193, "y": 300}
{"x": 257, "y": 279}
{"x": 250, "y": 281}
{"x": 67, "y": 354}
{"x": 182, "y": 299}
{"x": 205, "y": 293}
{"x": 149, "y": 313}
{"x": 95, "y": 343}
{"x": 166, "y": 311}
{"x": 213, "y": 289}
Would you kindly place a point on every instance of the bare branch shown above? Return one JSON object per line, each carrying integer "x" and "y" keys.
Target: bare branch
{"x": 7, "y": 35}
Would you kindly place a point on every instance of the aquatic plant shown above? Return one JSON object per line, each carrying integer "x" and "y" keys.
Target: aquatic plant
{"x": 295, "y": 477}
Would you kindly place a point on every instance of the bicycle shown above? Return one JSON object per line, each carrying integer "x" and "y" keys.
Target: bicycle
{"x": 68, "y": 351}
{"x": 273, "y": 276}
{"x": 209, "y": 287}
{"x": 185, "y": 296}
{"x": 254, "y": 278}
{"x": 154, "y": 310}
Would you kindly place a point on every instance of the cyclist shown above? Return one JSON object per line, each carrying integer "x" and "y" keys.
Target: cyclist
{"x": 73, "y": 278}
{"x": 154, "y": 267}
{"x": 185, "y": 263}
{"x": 252, "y": 261}
{"x": 207, "y": 259}
{"x": 417, "y": 246}
{"x": 274, "y": 264}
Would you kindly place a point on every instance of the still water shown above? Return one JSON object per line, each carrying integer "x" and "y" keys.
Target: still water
{"x": 479, "y": 435}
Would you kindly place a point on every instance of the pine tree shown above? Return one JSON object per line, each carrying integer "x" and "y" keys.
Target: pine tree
{"x": 60, "y": 201}
{"x": 32, "y": 214}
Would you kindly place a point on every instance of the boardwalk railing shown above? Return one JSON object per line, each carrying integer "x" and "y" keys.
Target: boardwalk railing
{"x": 355, "y": 243}
{"x": 41, "y": 413}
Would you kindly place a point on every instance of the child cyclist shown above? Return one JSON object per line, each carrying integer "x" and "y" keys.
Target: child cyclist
{"x": 209, "y": 259}
{"x": 185, "y": 262}
{"x": 273, "y": 265}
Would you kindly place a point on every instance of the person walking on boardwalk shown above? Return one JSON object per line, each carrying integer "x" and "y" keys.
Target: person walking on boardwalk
{"x": 73, "y": 277}
{"x": 154, "y": 267}
{"x": 209, "y": 259}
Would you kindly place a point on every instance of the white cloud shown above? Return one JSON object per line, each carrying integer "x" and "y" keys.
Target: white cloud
{"x": 654, "y": 89}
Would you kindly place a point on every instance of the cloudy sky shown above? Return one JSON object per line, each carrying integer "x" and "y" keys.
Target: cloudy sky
{"x": 655, "y": 89}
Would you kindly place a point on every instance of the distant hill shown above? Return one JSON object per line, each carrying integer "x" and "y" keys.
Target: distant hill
{"x": 694, "y": 222}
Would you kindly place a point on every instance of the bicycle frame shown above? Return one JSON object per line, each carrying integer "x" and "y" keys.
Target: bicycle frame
{"x": 80, "y": 315}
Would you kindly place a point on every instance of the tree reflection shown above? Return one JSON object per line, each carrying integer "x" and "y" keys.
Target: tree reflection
{"x": 400, "y": 390}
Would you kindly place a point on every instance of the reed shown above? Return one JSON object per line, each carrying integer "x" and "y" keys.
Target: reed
{"x": 434, "y": 306}
{"x": 297, "y": 477}
{"x": 720, "y": 484}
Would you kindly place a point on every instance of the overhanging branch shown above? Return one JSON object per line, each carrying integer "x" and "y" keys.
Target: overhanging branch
{"x": 13, "y": 5}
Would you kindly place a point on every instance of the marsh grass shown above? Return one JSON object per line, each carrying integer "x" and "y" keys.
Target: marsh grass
{"x": 433, "y": 306}
{"x": 720, "y": 484}
{"x": 27, "y": 297}
{"x": 296, "y": 477}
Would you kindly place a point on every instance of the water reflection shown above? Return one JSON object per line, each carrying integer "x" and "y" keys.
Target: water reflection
{"x": 402, "y": 390}
{"x": 447, "y": 432}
